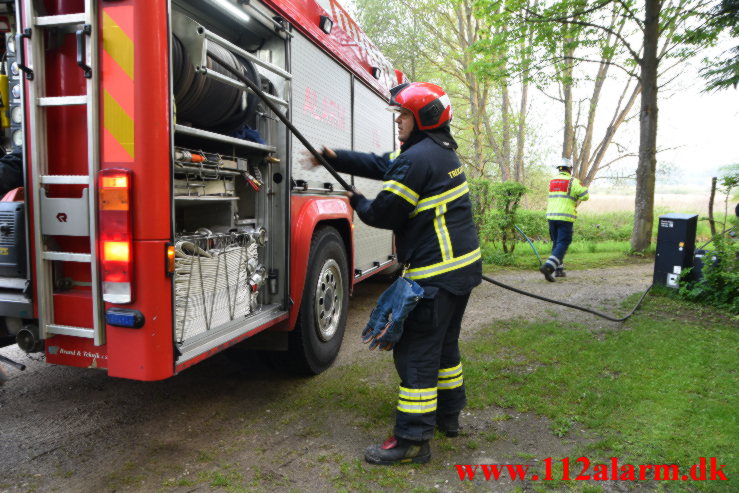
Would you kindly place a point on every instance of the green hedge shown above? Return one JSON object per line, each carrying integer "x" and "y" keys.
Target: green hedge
{"x": 610, "y": 226}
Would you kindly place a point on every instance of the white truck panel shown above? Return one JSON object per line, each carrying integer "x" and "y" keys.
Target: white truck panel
{"x": 322, "y": 112}
{"x": 321, "y": 107}
{"x": 373, "y": 132}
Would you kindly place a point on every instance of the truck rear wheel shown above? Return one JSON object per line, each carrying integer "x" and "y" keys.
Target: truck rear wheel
{"x": 316, "y": 339}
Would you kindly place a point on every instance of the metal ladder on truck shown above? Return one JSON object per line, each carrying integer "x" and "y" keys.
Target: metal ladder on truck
{"x": 45, "y": 220}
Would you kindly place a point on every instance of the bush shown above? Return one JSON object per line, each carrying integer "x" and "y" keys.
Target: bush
{"x": 494, "y": 210}
{"x": 720, "y": 283}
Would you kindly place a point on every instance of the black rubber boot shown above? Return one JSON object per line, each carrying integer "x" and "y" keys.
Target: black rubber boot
{"x": 398, "y": 451}
{"x": 547, "y": 270}
{"x": 448, "y": 424}
{"x": 560, "y": 273}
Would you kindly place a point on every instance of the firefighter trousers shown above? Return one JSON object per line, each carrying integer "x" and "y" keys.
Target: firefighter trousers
{"x": 560, "y": 233}
{"x": 428, "y": 362}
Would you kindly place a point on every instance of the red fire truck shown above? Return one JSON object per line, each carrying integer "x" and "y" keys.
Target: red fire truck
{"x": 166, "y": 214}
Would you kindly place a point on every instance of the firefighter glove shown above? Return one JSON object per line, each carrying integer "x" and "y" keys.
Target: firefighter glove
{"x": 385, "y": 326}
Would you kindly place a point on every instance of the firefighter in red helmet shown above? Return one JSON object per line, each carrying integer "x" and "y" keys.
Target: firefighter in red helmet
{"x": 425, "y": 201}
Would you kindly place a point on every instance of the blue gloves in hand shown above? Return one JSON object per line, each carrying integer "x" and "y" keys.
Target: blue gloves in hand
{"x": 385, "y": 325}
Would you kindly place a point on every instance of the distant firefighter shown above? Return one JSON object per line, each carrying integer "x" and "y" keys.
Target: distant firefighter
{"x": 565, "y": 193}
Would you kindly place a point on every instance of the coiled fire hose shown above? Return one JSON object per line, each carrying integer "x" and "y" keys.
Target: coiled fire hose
{"x": 254, "y": 88}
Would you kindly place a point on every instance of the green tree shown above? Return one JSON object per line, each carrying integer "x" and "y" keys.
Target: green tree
{"x": 657, "y": 36}
{"x": 492, "y": 134}
{"x": 577, "y": 59}
{"x": 722, "y": 72}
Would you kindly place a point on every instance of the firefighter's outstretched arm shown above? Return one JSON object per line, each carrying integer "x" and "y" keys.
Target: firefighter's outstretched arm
{"x": 361, "y": 164}
{"x": 397, "y": 200}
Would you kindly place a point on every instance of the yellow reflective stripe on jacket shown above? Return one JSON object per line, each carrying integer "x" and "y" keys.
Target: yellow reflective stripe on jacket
{"x": 442, "y": 198}
{"x": 393, "y": 155}
{"x": 442, "y": 233}
{"x": 561, "y": 196}
{"x": 417, "y": 401}
{"x": 444, "y": 266}
{"x": 450, "y": 378}
{"x": 401, "y": 191}
{"x": 560, "y": 215}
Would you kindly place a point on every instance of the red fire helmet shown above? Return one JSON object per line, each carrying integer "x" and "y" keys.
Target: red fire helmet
{"x": 428, "y": 102}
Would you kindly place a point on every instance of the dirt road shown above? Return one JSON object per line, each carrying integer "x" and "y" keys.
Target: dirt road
{"x": 69, "y": 429}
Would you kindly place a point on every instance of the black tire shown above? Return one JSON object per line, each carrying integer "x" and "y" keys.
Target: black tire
{"x": 316, "y": 339}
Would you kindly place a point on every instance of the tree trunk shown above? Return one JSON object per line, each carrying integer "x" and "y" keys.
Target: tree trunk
{"x": 505, "y": 118}
{"x": 521, "y": 137}
{"x": 466, "y": 37}
{"x": 710, "y": 207}
{"x": 567, "y": 72}
{"x": 641, "y": 235}
{"x": 618, "y": 119}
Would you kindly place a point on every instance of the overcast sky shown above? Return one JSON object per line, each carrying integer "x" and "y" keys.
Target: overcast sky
{"x": 697, "y": 132}
{"x": 704, "y": 126}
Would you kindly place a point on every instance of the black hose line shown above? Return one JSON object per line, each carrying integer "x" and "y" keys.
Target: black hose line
{"x": 569, "y": 305}
{"x": 253, "y": 87}
{"x": 12, "y": 363}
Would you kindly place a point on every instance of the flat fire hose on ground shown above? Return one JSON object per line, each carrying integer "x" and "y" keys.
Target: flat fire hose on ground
{"x": 569, "y": 305}
{"x": 319, "y": 157}
{"x": 12, "y": 363}
{"x": 516, "y": 290}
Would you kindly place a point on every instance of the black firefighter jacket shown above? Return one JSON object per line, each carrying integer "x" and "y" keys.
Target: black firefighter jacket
{"x": 425, "y": 201}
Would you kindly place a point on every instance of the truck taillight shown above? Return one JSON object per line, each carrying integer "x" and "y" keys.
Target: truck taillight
{"x": 115, "y": 230}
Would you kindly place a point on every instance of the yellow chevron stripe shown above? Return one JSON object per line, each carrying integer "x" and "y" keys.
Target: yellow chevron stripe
{"x": 118, "y": 123}
{"x": 118, "y": 44}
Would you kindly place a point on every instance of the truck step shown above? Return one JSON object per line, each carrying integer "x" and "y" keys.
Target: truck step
{"x": 65, "y": 180}
{"x": 59, "y": 20}
{"x": 68, "y": 330}
{"x": 67, "y": 256}
{"x": 62, "y": 101}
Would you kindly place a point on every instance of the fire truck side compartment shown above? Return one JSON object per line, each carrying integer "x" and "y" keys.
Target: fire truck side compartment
{"x": 231, "y": 216}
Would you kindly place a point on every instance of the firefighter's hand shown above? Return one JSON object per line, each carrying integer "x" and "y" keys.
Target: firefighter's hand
{"x": 377, "y": 342}
{"x": 308, "y": 161}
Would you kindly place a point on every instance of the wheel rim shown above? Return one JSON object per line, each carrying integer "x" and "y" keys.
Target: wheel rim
{"x": 328, "y": 300}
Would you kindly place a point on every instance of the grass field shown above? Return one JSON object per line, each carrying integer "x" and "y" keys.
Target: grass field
{"x": 580, "y": 255}
{"x": 599, "y": 237}
{"x": 661, "y": 392}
